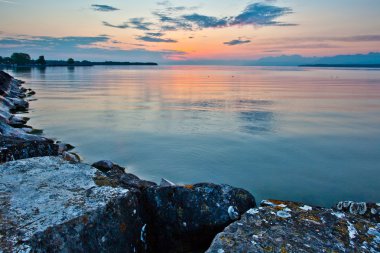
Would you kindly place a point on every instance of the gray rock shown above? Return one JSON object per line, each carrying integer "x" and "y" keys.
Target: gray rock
{"x": 62, "y": 147}
{"x": 11, "y": 119}
{"x": 186, "y": 218}
{"x": 282, "y": 226}
{"x": 165, "y": 182}
{"x": 50, "y": 205}
{"x": 17, "y": 140}
{"x": 13, "y": 148}
{"x": 106, "y": 166}
{"x": 7, "y": 130}
{"x": 71, "y": 157}
{"x": 369, "y": 211}
{"x": 11, "y": 101}
{"x": 115, "y": 175}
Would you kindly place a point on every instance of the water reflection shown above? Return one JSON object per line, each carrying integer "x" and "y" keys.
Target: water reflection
{"x": 280, "y": 133}
{"x": 22, "y": 70}
{"x": 255, "y": 122}
{"x": 71, "y": 69}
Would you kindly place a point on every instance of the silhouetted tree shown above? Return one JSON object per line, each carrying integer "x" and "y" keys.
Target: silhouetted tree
{"x": 41, "y": 60}
{"x": 70, "y": 61}
{"x": 7, "y": 60}
{"x": 20, "y": 58}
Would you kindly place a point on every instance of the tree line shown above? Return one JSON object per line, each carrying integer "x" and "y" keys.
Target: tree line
{"x": 25, "y": 59}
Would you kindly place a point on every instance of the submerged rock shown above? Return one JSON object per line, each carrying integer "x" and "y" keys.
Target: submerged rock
{"x": 50, "y": 205}
{"x": 186, "y": 218}
{"x": 282, "y": 226}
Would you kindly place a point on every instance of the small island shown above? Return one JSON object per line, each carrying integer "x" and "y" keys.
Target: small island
{"x": 24, "y": 60}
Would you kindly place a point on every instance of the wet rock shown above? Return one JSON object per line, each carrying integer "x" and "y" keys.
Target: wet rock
{"x": 17, "y": 121}
{"x": 9, "y": 131}
{"x": 17, "y": 140}
{"x": 15, "y": 148}
{"x": 117, "y": 176}
{"x": 186, "y": 218}
{"x": 11, "y": 119}
{"x": 30, "y": 93}
{"x": 366, "y": 210}
{"x": 64, "y": 147}
{"x": 282, "y": 226}
{"x": 71, "y": 157}
{"x": 106, "y": 166}
{"x": 50, "y": 205}
{"x": 11, "y": 101}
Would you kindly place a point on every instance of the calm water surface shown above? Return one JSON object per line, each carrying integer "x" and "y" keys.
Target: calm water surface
{"x": 310, "y": 135}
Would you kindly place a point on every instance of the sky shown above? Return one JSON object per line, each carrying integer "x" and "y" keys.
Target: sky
{"x": 196, "y": 31}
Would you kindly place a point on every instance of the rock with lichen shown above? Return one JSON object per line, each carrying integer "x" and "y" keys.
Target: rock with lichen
{"x": 13, "y": 148}
{"x": 369, "y": 211}
{"x": 50, "y": 205}
{"x": 186, "y": 218}
{"x": 283, "y": 226}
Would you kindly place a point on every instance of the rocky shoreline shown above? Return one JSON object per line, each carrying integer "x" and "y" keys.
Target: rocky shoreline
{"x": 51, "y": 202}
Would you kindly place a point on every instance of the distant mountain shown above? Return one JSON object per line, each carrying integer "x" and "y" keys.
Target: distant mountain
{"x": 295, "y": 60}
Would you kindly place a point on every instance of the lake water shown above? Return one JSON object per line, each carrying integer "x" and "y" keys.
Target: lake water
{"x": 310, "y": 135}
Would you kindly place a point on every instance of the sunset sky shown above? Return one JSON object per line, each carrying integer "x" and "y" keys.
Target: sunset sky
{"x": 179, "y": 30}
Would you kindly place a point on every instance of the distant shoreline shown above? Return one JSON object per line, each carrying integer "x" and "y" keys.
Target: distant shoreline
{"x": 79, "y": 64}
{"x": 341, "y": 65}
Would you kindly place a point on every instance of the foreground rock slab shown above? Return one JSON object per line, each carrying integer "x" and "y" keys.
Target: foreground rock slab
{"x": 280, "y": 226}
{"x": 50, "y": 205}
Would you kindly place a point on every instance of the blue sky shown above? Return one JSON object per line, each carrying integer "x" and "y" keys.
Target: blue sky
{"x": 179, "y": 30}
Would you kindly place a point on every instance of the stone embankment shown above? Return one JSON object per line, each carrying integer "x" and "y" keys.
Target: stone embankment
{"x": 51, "y": 202}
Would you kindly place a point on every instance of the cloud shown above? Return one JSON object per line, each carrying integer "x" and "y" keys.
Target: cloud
{"x": 321, "y": 39}
{"x": 236, "y": 42}
{"x": 140, "y": 24}
{"x": 358, "y": 38}
{"x": 135, "y": 23}
{"x": 170, "y": 8}
{"x": 168, "y": 23}
{"x": 82, "y": 48}
{"x": 148, "y": 38}
{"x": 174, "y": 18}
{"x": 104, "y": 8}
{"x": 203, "y": 21}
{"x": 8, "y": 2}
{"x": 158, "y": 34}
{"x": 50, "y": 43}
{"x": 302, "y": 46}
{"x": 257, "y": 14}
{"x": 262, "y": 14}
{"x": 121, "y": 26}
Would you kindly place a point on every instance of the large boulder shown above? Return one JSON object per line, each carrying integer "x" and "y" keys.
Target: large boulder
{"x": 281, "y": 226}
{"x": 50, "y": 205}
{"x": 186, "y": 218}
{"x": 13, "y": 148}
